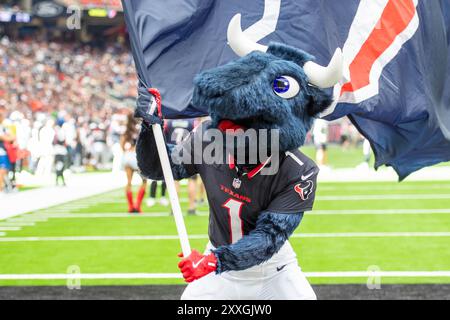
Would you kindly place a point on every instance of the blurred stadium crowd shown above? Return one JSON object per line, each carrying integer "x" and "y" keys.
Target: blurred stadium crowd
{"x": 62, "y": 94}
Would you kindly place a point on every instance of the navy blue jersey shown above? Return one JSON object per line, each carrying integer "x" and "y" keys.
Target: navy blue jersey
{"x": 237, "y": 199}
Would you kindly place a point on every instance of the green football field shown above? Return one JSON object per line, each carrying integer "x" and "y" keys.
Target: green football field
{"x": 355, "y": 227}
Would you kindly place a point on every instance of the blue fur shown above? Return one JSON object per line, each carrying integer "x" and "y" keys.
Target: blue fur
{"x": 146, "y": 149}
{"x": 243, "y": 90}
{"x": 271, "y": 232}
{"x": 289, "y": 53}
{"x": 148, "y": 158}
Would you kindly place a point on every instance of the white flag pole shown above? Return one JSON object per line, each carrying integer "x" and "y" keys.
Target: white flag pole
{"x": 168, "y": 176}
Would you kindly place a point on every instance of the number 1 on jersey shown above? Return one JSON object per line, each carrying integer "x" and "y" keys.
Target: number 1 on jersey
{"x": 234, "y": 208}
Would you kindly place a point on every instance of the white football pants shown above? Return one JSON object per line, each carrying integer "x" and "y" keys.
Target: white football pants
{"x": 280, "y": 278}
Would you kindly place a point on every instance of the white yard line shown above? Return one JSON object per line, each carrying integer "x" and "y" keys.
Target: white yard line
{"x": 131, "y": 276}
{"x": 99, "y": 238}
{"x": 372, "y": 235}
{"x": 380, "y": 187}
{"x": 57, "y": 215}
{"x": 380, "y": 212}
{"x": 385, "y": 197}
{"x": 364, "y": 197}
{"x": 87, "y": 276}
{"x": 100, "y": 215}
{"x": 30, "y": 218}
{"x": 118, "y": 200}
{"x": 65, "y": 210}
{"x": 201, "y": 236}
{"x": 80, "y": 187}
{"x": 371, "y": 274}
{"x": 17, "y": 224}
{"x": 2, "y": 234}
{"x": 77, "y": 207}
{"x": 10, "y": 228}
{"x": 432, "y": 174}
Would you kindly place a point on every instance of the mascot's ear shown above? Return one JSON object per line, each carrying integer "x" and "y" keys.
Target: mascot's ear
{"x": 319, "y": 101}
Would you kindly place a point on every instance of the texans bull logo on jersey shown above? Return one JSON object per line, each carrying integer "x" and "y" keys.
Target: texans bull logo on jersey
{"x": 304, "y": 189}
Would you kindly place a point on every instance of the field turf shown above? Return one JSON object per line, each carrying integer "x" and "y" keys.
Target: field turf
{"x": 354, "y": 226}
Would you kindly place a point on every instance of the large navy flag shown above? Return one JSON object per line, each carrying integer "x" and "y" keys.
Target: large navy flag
{"x": 396, "y": 87}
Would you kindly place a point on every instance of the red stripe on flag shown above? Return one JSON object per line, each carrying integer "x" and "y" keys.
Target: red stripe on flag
{"x": 396, "y": 17}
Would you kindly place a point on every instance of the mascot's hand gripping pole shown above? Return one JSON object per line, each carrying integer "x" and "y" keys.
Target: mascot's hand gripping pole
{"x": 168, "y": 176}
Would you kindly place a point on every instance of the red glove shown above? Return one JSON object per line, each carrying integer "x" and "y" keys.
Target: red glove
{"x": 197, "y": 265}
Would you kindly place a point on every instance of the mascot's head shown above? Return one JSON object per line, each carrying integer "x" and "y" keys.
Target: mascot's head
{"x": 275, "y": 87}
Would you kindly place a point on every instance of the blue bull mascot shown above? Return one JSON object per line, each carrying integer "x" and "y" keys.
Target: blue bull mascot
{"x": 257, "y": 199}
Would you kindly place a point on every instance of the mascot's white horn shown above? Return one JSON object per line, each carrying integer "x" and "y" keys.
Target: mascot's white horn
{"x": 326, "y": 77}
{"x": 322, "y": 77}
{"x": 238, "y": 41}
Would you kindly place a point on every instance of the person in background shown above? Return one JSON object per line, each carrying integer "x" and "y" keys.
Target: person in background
{"x": 83, "y": 147}
{"x": 70, "y": 133}
{"x": 151, "y": 201}
{"x": 12, "y": 149}
{"x": 4, "y": 161}
{"x": 46, "y": 137}
{"x": 345, "y": 134}
{"x": 192, "y": 195}
{"x": 367, "y": 152}
{"x": 78, "y": 153}
{"x": 98, "y": 145}
{"x": 117, "y": 128}
{"x": 201, "y": 193}
{"x": 23, "y": 135}
{"x": 61, "y": 154}
{"x": 320, "y": 137}
{"x": 176, "y": 131}
{"x": 128, "y": 144}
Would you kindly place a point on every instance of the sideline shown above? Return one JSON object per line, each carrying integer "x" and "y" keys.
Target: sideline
{"x": 79, "y": 187}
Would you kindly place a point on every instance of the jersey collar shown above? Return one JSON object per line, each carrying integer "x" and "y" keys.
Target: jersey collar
{"x": 254, "y": 171}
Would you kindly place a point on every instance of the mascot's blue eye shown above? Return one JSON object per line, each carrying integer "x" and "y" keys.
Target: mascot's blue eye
{"x": 281, "y": 85}
{"x": 286, "y": 87}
